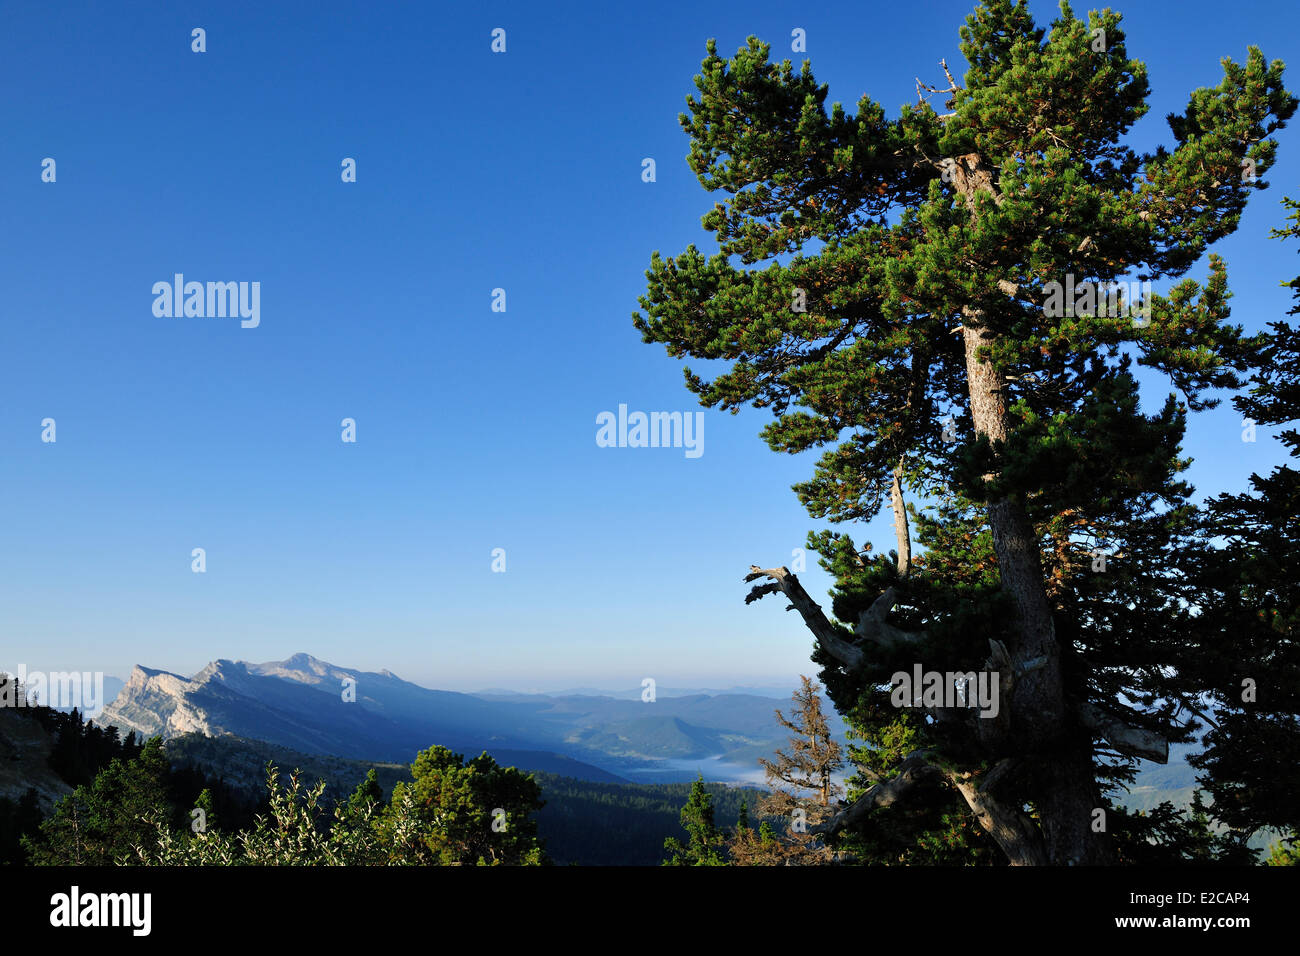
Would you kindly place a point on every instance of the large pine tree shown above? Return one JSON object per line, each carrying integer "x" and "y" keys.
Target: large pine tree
{"x": 907, "y": 322}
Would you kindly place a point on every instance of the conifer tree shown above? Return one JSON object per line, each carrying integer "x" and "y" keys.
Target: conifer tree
{"x": 801, "y": 778}
{"x": 912, "y": 322}
{"x": 814, "y": 755}
{"x": 705, "y": 842}
{"x": 473, "y": 812}
{"x": 933, "y": 827}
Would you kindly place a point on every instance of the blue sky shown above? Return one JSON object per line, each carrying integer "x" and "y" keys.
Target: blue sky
{"x": 475, "y": 429}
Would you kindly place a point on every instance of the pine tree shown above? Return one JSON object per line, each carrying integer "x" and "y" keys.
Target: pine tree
{"x": 762, "y": 848}
{"x": 67, "y": 756}
{"x": 924, "y": 265}
{"x": 801, "y": 779}
{"x": 814, "y": 755}
{"x": 473, "y": 812}
{"x": 933, "y": 827}
{"x": 705, "y": 842}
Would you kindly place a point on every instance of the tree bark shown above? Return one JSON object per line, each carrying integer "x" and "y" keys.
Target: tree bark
{"x": 1062, "y": 779}
{"x": 1014, "y": 541}
{"x": 1013, "y": 831}
{"x": 901, "y": 531}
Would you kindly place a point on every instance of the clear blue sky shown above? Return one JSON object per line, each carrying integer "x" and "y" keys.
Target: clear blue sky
{"x": 475, "y": 429}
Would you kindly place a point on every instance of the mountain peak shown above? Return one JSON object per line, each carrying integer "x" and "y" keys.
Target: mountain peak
{"x": 302, "y": 662}
{"x": 141, "y": 675}
{"x": 220, "y": 669}
{"x": 301, "y": 668}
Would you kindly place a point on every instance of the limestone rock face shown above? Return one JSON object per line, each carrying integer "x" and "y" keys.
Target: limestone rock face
{"x": 315, "y": 707}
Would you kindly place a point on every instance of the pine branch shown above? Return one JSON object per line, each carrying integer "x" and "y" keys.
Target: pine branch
{"x": 827, "y": 635}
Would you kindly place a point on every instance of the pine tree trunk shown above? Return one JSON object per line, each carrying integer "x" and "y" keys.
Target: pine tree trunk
{"x": 1064, "y": 785}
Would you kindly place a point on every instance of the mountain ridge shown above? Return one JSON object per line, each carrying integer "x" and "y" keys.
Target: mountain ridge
{"x": 316, "y": 707}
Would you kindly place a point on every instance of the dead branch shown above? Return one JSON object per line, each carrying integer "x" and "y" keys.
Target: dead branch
{"x": 827, "y": 635}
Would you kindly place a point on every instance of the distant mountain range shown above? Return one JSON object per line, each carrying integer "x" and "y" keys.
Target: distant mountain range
{"x": 634, "y": 693}
{"x": 300, "y": 704}
{"x": 316, "y": 707}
